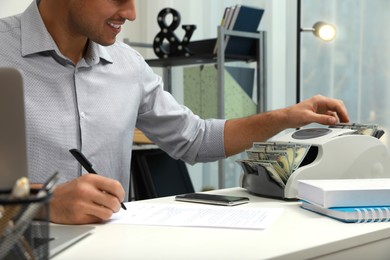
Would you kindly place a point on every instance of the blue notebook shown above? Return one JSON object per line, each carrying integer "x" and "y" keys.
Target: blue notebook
{"x": 352, "y": 214}
{"x": 246, "y": 19}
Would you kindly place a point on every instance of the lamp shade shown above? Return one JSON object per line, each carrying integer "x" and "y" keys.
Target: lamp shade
{"x": 324, "y": 31}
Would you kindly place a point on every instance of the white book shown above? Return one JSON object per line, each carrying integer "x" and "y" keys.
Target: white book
{"x": 225, "y": 22}
{"x": 233, "y": 17}
{"x": 245, "y": 19}
{"x": 345, "y": 192}
{"x": 225, "y": 16}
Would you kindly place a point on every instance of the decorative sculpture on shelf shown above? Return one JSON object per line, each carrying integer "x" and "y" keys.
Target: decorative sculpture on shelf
{"x": 166, "y": 43}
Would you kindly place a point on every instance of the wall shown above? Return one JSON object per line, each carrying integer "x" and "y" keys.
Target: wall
{"x": 10, "y": 7}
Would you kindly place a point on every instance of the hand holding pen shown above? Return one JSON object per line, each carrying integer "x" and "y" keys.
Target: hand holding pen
{"x": 86, "y": 165}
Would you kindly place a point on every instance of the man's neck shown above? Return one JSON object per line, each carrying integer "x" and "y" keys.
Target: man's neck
{"x": 55, "y": 20}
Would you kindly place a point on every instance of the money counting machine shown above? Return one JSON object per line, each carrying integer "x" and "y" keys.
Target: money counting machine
{"x": 339, "y": 152}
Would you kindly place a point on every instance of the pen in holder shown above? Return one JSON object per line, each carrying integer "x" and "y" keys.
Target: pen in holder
{"x": 24, "y": 220}
{"x": 24, "y": 226}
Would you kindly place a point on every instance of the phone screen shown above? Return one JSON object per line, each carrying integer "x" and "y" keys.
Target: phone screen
{"x": 212, "y": 199}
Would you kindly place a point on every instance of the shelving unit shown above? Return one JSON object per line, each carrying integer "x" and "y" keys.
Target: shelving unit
{"x": 203, "y": 54}
{"x": 259, "y": 58}
{"x": 261, "y": 79}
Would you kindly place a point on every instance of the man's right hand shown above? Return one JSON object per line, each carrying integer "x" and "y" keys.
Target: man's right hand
{"x": 88, "y": 199}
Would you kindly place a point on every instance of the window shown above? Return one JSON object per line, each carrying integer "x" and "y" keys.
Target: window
{"x": 355, "y": 67}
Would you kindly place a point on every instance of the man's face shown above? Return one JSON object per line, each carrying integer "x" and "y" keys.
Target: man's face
{"x": 100, "y": 20}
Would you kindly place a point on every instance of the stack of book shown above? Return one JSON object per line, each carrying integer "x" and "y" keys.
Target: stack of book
{"x": 240, "y": 18}
{"x": 347, "y": 200}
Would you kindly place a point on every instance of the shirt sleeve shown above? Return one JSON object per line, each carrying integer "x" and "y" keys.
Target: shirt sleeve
{"x": 174, "y": 127}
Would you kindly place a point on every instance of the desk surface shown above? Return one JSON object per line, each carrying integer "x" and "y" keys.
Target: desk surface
{"x": 297, "y": 234}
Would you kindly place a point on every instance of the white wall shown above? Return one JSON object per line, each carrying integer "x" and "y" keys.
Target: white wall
{"x": 10, "y": 7}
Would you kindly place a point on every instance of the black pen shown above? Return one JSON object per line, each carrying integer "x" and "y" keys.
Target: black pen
{"x": 86, "y": 165}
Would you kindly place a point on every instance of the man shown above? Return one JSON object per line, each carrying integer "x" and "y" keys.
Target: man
{"x": 85, "y": 90}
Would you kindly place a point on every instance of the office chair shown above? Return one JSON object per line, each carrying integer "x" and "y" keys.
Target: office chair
{"x": 156, "y": 174}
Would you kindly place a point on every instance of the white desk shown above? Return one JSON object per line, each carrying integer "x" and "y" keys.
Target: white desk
{"x": 297, "y": 234}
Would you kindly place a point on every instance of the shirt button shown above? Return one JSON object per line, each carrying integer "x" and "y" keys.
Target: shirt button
{"x": 82, "y": 114}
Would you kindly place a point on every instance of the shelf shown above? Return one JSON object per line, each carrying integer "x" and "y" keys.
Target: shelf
{"x": 192, "y": 60}
{"x": 202, "y": 54}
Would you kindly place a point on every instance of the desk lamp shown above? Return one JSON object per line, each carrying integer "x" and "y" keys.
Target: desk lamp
{"x": 322, "y": 30}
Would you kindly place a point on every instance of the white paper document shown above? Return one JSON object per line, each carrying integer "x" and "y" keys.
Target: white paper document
{"x": 194, "y": 215}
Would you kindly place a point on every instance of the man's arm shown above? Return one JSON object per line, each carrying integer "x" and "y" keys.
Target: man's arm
{"x": 241, "y": 133}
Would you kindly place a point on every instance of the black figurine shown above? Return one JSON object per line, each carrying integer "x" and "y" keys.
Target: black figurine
{"x": 166, "y": 44}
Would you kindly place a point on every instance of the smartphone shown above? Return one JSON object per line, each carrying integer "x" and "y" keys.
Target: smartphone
{"x": 212, "y": 199}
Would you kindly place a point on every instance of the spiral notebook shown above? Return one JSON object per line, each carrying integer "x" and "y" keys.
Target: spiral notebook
{"x": 352, "y": 214}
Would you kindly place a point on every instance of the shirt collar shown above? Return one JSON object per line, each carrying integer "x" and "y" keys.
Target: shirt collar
{"x": 36, "y": 38}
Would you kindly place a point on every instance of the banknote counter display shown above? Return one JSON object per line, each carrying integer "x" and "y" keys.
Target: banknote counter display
{"x": 343, "y": 151}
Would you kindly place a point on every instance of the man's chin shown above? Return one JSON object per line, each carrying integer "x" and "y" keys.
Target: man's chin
{"x": 107, "y": 43}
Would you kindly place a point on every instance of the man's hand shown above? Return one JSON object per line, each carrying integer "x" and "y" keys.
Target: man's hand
{"x": 318, "y": 109}
{"x": 88, "y": 199}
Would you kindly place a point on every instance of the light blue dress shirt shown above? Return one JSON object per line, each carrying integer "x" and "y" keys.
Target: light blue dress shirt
{"x": 95, "y": 105}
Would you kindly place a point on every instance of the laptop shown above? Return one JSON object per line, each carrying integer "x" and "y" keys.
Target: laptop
{"x": 63, "y": 237}
{"x": 13, "y": 150}
{"x": 13, "y": 153}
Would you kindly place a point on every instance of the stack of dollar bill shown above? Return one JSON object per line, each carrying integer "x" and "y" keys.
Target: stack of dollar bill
{"x": 361, "y": 129}
{"x": 280, "y": 159}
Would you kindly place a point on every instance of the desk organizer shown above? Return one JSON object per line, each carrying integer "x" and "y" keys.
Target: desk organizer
{"x": 334, "y": 154}
{"x": 24, "y": 227}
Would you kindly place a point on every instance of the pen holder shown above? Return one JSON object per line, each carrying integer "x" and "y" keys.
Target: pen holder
{"x": 24, "y": 226}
